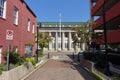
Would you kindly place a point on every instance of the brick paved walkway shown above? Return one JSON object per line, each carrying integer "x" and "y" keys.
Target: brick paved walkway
{"x": 60, "y": 68}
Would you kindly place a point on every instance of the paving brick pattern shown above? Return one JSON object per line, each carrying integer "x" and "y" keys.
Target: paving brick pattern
{"x": 63, "y": 68}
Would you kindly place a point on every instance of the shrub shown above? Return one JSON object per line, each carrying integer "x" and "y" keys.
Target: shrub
{"x": 14, "y": 58}
{"x": 2, "y": 68}
{"x": 114, "y": 59}
{"x": 99, "y": 59}
{"x": 94, "y": 56}
{"x": 32, "y": 60}
{"x": 40, "y": 53}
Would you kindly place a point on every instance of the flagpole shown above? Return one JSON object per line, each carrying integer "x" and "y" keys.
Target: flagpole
{"x": 60, "y": 29}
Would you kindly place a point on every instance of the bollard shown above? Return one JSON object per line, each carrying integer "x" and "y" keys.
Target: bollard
{"x": 78, "y": 57}
{"x": 48, "y": 56}
{"x": 73, "y": 55}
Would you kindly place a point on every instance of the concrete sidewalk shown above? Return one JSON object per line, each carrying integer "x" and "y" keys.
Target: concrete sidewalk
{"x": 60, "y": 69}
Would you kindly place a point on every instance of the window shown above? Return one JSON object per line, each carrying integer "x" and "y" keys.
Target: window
{"x": 28, "y": 24}
{"x": 15, "y": 16}
{"x": 28, "y": 49}
{"x": 2, "y": 8}
{"x": 33, "y": 29}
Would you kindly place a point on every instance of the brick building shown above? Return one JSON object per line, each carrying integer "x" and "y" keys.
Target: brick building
{"x": 17, "y": 16}
{"x": 112, "y": 11}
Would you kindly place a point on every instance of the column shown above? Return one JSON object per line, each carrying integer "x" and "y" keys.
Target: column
{"x": 83, "y": 46}
{"x": 63, "y": 40}
{"x": 50, "y": 43}
{"x": 69, "y": 40}
{"x": 56, "y": 41}
{"x": 75, "y": 46}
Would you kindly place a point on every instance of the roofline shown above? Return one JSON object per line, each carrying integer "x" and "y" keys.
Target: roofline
{"x": 29, "y": 8}
{"x": 63, "y": 22}
{"x": 59, "y": 22}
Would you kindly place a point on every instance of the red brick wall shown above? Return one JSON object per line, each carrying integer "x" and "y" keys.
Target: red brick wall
{"x": 21, "y": 35}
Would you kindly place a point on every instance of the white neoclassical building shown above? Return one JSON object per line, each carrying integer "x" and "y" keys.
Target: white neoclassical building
{"x": 61, "y": 34}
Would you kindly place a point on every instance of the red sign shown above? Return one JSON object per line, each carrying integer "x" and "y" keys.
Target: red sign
{"x": 9, "y": 34}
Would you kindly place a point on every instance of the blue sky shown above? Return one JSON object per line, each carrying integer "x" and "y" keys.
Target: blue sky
{"x": 71, "y": 10}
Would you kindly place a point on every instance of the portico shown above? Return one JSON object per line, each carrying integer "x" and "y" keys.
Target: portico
{"x": 63, "y": 42}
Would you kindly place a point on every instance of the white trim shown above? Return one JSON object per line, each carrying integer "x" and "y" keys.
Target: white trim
{"x": 15, "y": 16}
{"x": 28, "y": 25}
{"x": 4, "y": 10}
{"x": 33, "y": 29}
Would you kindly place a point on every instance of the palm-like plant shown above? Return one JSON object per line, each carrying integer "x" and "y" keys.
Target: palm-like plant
{"x": 84, "y": 31}
{"x": 43, "y": 40}
{"x": 86, "y": 34}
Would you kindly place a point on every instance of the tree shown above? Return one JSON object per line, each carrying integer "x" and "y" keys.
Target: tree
{"x": 85, "y": 33}
{"x": 43, "y": 40}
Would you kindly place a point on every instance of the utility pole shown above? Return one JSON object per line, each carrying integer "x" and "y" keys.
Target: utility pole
{"x": 107, "y": 69}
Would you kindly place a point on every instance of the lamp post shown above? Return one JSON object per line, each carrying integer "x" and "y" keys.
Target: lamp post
{"x": 37, "y": 43}
{"x": 107, "y": 69}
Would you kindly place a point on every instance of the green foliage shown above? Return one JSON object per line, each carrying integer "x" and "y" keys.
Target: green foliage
{"x": 32, "y": 60}
{"x": 43, "y": 39}
{"x": 94, "y": 56}
{"x": 14, "y": 58}
{"x": 40, "y": 53}
{"x": 115, "y": 76}
{"x": 2, "y": 68}
{"x": 115, "y": 46}
{"x": 114, "y": 59}
{"x": 99, "y": 58}
{"x": 83, "y": 31}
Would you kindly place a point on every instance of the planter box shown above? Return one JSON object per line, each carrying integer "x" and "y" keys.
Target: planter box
{"x": 86, "y": 63}
{"x": 89, "y": 65}
{"x": 16, "y": 73}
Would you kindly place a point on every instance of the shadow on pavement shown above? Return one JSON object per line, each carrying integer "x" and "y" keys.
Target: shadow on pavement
{"x": 76, "y": 66}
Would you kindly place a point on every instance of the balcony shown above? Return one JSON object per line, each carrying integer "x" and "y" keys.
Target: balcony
{"x": 112, "y": 37}
{"x": 112, "y": 18}
{"x": 97, "y": 9}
